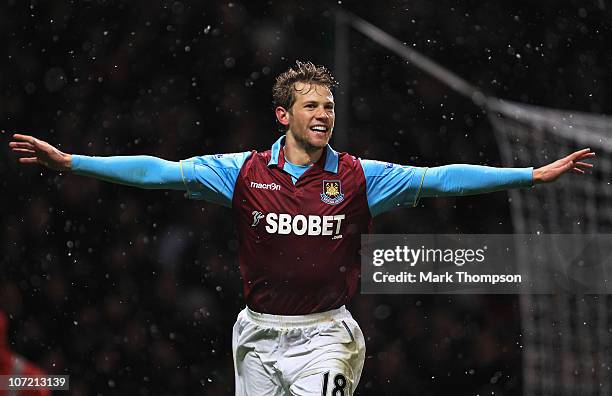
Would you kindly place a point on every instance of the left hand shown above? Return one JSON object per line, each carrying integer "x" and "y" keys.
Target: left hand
{"x": 572, "y": 162}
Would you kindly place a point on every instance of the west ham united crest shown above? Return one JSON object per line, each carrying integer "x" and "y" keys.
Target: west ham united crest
{"x": 332, "y": 192}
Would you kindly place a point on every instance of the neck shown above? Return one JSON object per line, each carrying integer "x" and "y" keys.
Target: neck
{"x": 297, "y": 154}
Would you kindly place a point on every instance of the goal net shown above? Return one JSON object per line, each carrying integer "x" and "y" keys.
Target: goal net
{"x": 567, "y": 338}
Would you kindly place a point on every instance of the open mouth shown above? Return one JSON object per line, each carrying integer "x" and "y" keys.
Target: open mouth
{"x": 319, "y": 128}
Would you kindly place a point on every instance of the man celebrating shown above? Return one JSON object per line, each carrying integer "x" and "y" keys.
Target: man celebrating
{"x": 300, "y": 209}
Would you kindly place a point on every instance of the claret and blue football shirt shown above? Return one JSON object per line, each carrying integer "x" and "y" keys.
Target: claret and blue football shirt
{"x": 300, "y": 227}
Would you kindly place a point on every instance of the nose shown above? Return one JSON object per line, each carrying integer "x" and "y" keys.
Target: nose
{"x": 322, "y": 113}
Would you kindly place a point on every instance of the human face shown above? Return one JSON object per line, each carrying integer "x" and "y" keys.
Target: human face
{"x": 311, "y": 117}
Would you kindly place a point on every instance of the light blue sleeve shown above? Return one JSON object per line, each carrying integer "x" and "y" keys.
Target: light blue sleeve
{"x": 390, "y": 186}
{"x": 137, "y": 171}
{"x": 462, "y": 179}
{"x": 213, "y": 177}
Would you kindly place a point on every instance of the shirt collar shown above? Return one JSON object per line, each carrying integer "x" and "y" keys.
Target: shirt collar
{"x": 331, "y": 156}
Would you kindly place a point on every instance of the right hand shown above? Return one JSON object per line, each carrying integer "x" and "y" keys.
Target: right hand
{"x": 36, "y": 151}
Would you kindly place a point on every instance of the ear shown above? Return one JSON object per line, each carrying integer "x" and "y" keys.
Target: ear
{"x": 282, "y": 115}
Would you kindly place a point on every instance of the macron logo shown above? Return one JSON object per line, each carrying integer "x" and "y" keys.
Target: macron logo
{"x": 264, "y": 186}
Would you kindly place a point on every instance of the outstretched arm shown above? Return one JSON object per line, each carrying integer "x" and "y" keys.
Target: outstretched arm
{"x": 452, "y": 180}
{"x": 137, "y": 171}
{"x": 208, "y": 177}
{"x": 390, "y": 186}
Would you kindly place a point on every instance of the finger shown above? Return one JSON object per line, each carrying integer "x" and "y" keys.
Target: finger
{"x": 585, "y": 164}
{"x": 24, "y": 151}
{"x": 585, "y": 155}
{"x": 24, "y": 145}
{"x": 577, "y": 154}
{"x": 24, "y": 138}
{"x": 578, "y": 170}
{"x": 29, "y": 160}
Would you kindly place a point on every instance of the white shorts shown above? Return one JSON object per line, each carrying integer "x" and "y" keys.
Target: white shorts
{"x": 318, "y": 354}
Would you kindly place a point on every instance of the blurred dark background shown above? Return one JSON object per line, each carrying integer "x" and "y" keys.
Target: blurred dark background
{"x": 135, "y": 292}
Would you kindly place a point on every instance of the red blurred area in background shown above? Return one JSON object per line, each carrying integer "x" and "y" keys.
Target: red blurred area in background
{"x": 13, "y": 364}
